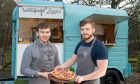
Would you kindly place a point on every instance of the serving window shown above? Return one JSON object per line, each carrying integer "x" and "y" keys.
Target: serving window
{"x": 27, "y": 30}
{"x": 105, "y": 27}
{"x": 105, "y": 33}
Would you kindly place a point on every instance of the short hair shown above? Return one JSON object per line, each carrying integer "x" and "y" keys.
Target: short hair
{"x": 87, "y": 20}
{"x": 43, "y": 26}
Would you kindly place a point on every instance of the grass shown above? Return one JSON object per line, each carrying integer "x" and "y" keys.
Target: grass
{"x": 21, "y": 82}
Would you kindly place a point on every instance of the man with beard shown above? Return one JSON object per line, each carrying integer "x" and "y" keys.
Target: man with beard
{"x": 40, "y": 57}
{"x": 90, "y": 54}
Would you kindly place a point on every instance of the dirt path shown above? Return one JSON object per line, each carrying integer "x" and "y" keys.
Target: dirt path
{"x": 133, "y": 79}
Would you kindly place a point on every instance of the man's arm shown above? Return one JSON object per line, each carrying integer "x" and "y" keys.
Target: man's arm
{"x": 101, "y": 70}
{"x": 68, "y": 63}
{"x": 25, "y": 64}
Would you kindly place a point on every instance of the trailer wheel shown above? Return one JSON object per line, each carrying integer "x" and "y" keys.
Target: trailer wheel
{"x": 111, "y": 77}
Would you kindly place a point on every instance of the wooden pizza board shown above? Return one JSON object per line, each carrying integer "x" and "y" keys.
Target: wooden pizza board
{"x": 59, "y": 80}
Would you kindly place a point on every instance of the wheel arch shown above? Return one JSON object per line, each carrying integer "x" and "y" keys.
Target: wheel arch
{"x": 120, "y": 74}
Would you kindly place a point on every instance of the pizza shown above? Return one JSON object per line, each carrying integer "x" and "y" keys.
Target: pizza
{"x": 63, "y": 74}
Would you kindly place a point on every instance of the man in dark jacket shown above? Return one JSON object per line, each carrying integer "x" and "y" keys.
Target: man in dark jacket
{"x": 90, "y": 55}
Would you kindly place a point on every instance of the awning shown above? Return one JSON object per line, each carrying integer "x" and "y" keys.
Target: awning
{"x": 107, "y": 19}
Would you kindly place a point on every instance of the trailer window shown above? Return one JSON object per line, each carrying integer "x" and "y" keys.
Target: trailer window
{"x": 27, "y": 30}
{"x": 105, "y": 33}
{"x": 105, "y": 27}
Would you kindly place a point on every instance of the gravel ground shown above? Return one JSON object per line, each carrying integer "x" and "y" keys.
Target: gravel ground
{"x": 132, "y": 79}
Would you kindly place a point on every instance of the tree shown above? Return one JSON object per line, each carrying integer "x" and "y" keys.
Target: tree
{"x": 6, "y": 7}
{"x": 134, "y": 28}
{"x": 116, "y": 4}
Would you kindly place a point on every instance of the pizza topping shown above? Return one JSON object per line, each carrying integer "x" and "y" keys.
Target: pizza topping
{"x": 63, "y": 74}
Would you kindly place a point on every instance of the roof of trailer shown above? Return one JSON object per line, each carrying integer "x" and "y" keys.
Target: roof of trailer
{"x": 40, "y": 3}
{"x": 74, "y": 7}
{"x": 99, "y": 10}
{"x": 99, "y": 14}
{"x": 104, "y": 15}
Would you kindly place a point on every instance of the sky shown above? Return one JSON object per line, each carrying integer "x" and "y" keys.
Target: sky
{"x": 67, "y": 1}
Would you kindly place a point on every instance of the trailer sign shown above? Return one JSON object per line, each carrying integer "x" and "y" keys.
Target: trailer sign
{"x": 41, "y": 12}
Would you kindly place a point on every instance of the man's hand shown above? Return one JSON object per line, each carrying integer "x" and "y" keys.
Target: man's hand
{"x": 79, "y": 79}
{"x": 68, "y": 63}
{"x": 43, "y": 74}
{"x": 59, "y": 67}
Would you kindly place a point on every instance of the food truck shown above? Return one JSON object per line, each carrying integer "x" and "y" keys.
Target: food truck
{"x": 111, "y": 29}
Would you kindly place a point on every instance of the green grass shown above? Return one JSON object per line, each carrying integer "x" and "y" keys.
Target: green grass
{"x": 21, "y": 82}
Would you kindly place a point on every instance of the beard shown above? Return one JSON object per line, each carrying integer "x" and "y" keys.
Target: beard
{"x": 86, "y": 37}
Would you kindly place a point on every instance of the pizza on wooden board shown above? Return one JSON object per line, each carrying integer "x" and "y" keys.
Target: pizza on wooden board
{"x": 63, "y": 74}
